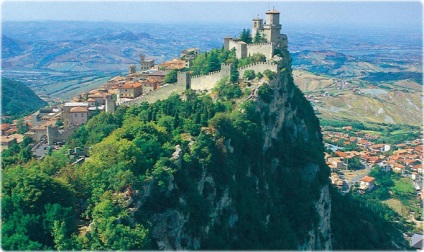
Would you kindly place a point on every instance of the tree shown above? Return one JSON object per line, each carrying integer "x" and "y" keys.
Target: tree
{"x": 213, "y": 62}
{"x": 258, "y": 38}
{"x": 249, "y": 74}
{"x": 245, "y": 36}
{"x": 269, "y": 74}
{"x": 171, "y": 77}
{"x": 259, "y": 75}
{"x": 265, "y": 92}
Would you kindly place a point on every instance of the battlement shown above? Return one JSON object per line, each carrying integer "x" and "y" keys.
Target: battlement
{"x": 260, "y": 44}
{"x": 225, "y": 68}
{"x": 267, "y": 63}
{"x": 201, "y": 75}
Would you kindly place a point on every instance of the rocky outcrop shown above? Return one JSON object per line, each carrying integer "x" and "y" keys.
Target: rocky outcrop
{"x": 224, "y": 201}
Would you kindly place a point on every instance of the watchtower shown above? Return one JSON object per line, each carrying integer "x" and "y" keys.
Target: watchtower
{"x": 257, "y": 26}
{"x": 272, "y": 26}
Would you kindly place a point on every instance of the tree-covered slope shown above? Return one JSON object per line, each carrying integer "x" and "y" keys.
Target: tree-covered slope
{"x": 17, "y": 99}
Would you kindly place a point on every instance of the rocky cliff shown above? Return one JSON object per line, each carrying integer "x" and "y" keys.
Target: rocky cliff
{"x": 264, "y": 185}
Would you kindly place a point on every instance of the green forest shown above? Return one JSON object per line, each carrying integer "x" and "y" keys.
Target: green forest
{"x": 17, "y": 99}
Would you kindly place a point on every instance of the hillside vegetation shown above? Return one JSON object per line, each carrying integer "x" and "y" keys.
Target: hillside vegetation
{"x": 198, "y": 178}
{"x": 17, "y": 99}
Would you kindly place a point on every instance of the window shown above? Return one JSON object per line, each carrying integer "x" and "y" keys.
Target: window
{"x": 75, "y": 115}
{"x": 82, "y": 115}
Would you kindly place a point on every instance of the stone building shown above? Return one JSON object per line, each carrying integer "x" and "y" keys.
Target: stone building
{"x": 270, "y": 31}
{"x": 145, "y": 64}
{"x": 130, "y": 90}
{"x": 78, "y": 115}
{"x": 7, "y": 142}
{"x": 74, "y": 114}
{"x": 149, "y": 85}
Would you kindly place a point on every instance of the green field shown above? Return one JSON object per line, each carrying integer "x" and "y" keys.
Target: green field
{"x": 394, "y": 204}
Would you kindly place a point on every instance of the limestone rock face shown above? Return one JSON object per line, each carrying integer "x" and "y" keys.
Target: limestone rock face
{"x": 278, "y": 199}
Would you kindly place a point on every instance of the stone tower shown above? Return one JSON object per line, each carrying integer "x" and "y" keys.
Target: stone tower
{"x": 145, "y": 64}
{"x": 184, "y": 80}
{"x": 272, "y": 27}
{"x": 110, "y": 105}
{"x": 257, "y": 26}
{"x": 133, "y": 69}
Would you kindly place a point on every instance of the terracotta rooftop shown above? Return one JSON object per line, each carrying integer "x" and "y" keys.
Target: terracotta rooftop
{"x": 91, "y": 100}
{"x": 5, "y": 126}
{"x": 6, "y": 139}
{"x": 78, "y": 110}
{"x": 130, "y": 85}
{"x": 368, "y": 179}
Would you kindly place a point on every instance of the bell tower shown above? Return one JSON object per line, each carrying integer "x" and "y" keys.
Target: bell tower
{"x": 257, "y": 26}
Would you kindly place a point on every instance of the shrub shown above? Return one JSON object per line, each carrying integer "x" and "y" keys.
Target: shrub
{"x": 249, "y": 74}
{"x": 265, "y": 92}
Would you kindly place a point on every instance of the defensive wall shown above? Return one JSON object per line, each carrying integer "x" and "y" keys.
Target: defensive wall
{"x": 266, "y": 49}
{"x": 162, "y": 93}
{"x": 259, "y": 67}
{"x": 54, "y": 135}
{"x": 198, "y": 82}
{"x": 208, "y": 81}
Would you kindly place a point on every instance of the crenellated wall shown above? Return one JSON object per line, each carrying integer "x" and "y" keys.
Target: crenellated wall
{"x": 208, "y": 81}
{"x": 258, "y": 67}
{"x": 198, "y": 82}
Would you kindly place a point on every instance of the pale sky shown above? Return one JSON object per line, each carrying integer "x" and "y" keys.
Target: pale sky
{"x": 365, "y": 13}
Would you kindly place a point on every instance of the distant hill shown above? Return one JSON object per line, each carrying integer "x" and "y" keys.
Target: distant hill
{"x": 18, "y": 99}
{"x": 10, "y": 47}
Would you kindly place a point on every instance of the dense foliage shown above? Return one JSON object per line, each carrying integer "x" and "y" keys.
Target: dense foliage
{"x": 17, "y": 99}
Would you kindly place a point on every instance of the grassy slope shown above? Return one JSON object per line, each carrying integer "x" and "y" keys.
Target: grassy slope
{"x": 392, "y": 106}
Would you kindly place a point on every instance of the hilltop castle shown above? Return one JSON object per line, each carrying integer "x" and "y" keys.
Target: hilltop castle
{"x": 269, "y": 31}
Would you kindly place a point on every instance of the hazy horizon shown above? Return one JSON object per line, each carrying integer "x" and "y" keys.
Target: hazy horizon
{"x": 332, "y": 14}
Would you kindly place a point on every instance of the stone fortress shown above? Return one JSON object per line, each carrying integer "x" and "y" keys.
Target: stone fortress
{"x": 270, "y": 31}
{"x": 275, "y": 41}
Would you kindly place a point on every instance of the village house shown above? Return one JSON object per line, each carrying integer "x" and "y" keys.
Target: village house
{"x": 7, "y": 142}
{"x": 39, "y": 131}
{"x": 171, "y": 65}
{"x": 336, "y": 163}
{"x": 367, "y": 183}
{"x": 384, "y": 166}
{"x": 130, "y": 90}
{"x": 149, "y": 85}
{"x": 74, "y": 114}
{"x": 398, "y": 168}
{"x": 190, "y": 53}
{"x": 159, "y": 76}
{"x": 336, "y": 180}
{"x": 79, "y": 115}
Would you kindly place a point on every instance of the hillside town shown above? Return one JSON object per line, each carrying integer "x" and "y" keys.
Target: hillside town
{"x": 50, "y": 127}
{"x": 403, "y": 158}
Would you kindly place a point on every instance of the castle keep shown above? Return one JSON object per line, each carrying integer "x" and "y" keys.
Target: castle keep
{"x": 270, "y": 31}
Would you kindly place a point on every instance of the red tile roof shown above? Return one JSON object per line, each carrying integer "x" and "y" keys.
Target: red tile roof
{"x": 368, "y": 179}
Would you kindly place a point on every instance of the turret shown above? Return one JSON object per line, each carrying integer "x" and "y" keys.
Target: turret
{"x": 257, "y": 25}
